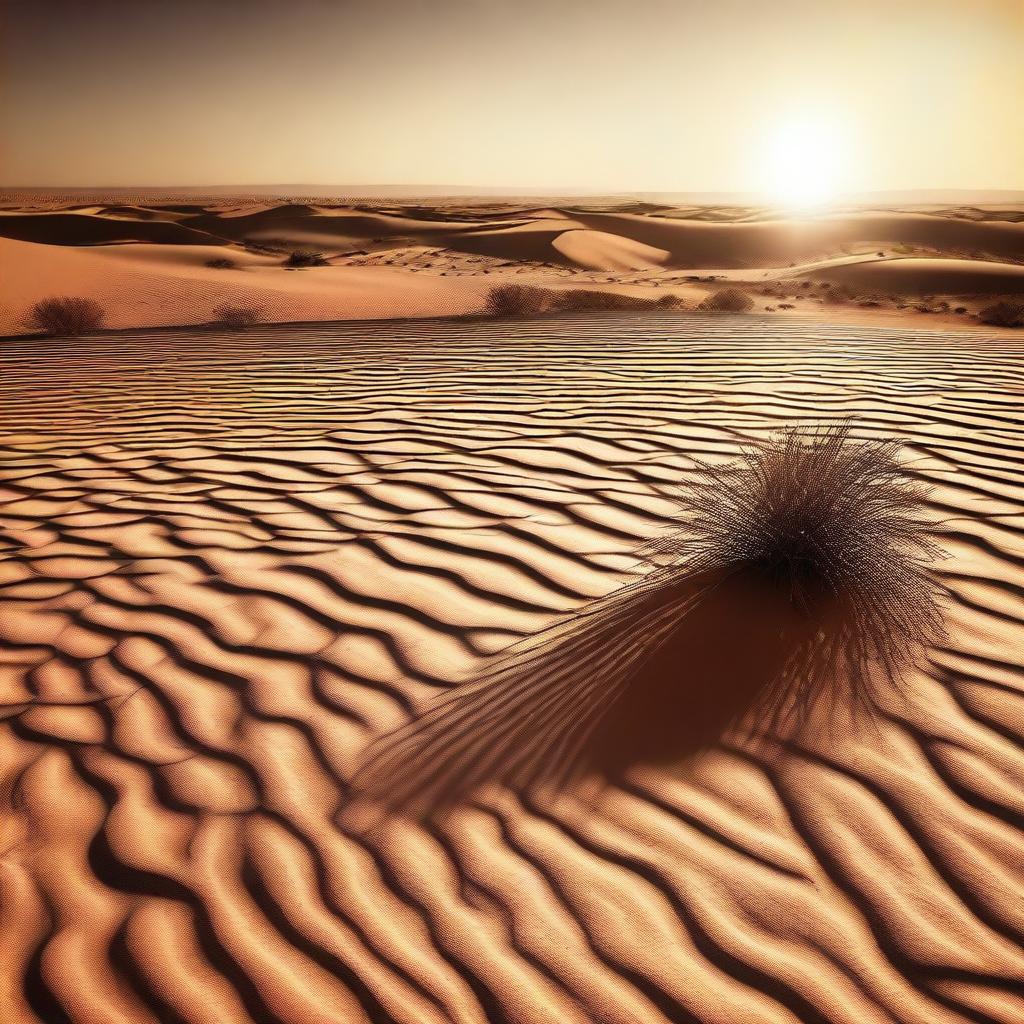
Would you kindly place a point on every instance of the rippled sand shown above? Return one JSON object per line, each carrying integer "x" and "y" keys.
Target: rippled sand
{"x": 230, "y": 561}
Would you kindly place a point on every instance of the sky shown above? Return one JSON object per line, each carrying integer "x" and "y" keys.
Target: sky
{"x": 804, "y": 96}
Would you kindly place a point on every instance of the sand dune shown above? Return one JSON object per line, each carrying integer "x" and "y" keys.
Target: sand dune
{"x": 229, "y": 562}
{"x": 929, "y": 276}
{"x": 689, "y": 238}
{"x": 95, "y": 229}
{"x": 158, "y": 286}
{"x": 775, "y": 243}
{"x": 300, "y": 223}
{"x": 599, "y": 250}
{"x": 136, "y": 260}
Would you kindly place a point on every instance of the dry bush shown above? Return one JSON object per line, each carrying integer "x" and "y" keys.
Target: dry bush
{"x": 220, "y": 263}
{"x": 297, "y": 260}
{"x": 796, "y": 589}
{"x": 1005, "y": 313}
{"x": 727, "y": 300}
{"x": 592, "y": 299}
{"x": 512, "y": 300}
{"x": 829, "y": 521}
{"x": 237, "y": 317}
{"x": 66, "y": 316}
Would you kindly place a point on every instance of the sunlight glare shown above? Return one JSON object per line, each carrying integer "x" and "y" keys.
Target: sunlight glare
{"x": 805, "y": 162}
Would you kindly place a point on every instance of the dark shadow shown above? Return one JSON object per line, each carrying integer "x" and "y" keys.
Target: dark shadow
{"x": 652, "y": 674}
{"x": 797, "y": 594}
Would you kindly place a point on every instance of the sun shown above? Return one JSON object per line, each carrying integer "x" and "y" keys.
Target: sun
{"x": 805, "y": 161}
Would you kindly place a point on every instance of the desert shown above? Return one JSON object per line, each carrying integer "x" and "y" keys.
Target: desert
{"x": 313, "y": 261}
{"x": 223, "y": 579}
{"x": 512, "y": 512}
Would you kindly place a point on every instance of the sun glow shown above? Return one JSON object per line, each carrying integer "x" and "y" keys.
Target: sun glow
{"x": 806, "y": 161}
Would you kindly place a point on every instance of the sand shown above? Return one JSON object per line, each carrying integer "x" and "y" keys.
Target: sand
{"x": 230, "y": 561}
{"x": 147, "y": 265}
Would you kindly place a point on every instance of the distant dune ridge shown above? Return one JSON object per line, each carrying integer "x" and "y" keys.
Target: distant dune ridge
{"x": 150, "y": 265}
{"x": 814, "y": 541}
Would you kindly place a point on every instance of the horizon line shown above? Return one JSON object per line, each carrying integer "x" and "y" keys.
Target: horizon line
{"x": 479, "y": 189}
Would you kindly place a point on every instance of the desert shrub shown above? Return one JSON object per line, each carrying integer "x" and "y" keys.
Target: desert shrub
{"x": 509, "y": 300}
{"x": 836, "y": 527}
{"x": 817, "y": 542}
{"x": 220, "y": 263}
{"x": 237, "y": 317}
{"x": 297, "y": 260}
{"x": 1005, "y": 313}
{"x": 728, "y": 300}
{"x": 66, "y": 316}
{"x": 592, "y": 299}
{"x": 584, "y": 299}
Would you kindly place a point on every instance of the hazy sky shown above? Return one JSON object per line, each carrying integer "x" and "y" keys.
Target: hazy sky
{"x": 674, "y": 95}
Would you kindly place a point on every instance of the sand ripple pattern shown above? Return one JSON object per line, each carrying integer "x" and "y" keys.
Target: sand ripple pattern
{"x": 229, "y": 562}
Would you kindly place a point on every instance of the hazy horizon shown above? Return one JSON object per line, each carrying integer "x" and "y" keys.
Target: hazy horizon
{"x": 796, "y": 98}
{"x": 390, "y": 190}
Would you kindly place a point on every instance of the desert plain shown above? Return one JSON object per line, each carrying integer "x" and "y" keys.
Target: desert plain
{"x": 231, "y": 559}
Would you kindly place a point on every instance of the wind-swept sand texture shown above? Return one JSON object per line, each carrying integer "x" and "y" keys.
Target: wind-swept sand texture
{"x": 232, "y": 561}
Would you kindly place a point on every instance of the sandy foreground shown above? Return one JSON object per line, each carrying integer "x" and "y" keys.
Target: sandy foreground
{"x": 229, "y": 561}
{"x": 149, "y": 266}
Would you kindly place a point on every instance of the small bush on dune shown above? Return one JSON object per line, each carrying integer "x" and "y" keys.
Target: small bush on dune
{"x": 237, "y": 317}
{"x": 509, "y": 300}
{"x": 727, "y": 300}
{"x": 515, "y": 300}
{"x": 297, "y": 260}
{"x": 584, "y": 299}
{"x": 66, "y": 316}
{"x": 1006, "y": 313}
{"x": 221, "y": 263}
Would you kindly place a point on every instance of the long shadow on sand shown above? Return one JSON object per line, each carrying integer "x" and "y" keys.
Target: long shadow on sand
{"x": 798, "y": 589}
